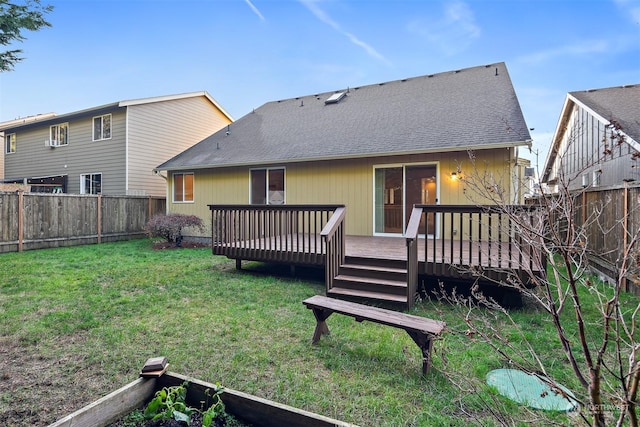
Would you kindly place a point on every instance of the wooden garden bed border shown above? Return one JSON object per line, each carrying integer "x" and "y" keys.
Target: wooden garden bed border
{"x": 252, "y": 409}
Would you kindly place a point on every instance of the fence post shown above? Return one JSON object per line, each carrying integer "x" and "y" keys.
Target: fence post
{"x": 20, "y": 219}
{"x": 99, "y": 218}
{"x": 625, "y": 213}
{"x": 584, "y": 208}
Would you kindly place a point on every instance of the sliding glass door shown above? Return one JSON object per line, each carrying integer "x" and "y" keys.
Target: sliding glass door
{"x": 397, "y": 189}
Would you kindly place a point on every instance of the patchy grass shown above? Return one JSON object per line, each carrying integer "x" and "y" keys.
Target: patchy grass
{"x": 79, "y": 322}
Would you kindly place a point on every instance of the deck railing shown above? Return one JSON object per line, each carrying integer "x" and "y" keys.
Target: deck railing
{"x": 470, "y": 238}
{"x": 333, "y": 236}
{"x": 411, "y": 235}
{"x": 278, "y": 233}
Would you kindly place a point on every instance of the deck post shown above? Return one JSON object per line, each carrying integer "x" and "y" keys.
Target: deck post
{"x": 411, "y": 236}
{"x": 238, "y": 264}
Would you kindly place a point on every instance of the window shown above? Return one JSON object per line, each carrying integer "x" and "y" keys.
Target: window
{"x": 58, "y": 135}
{"x": 397, "y": 189}
{"x": 102, "y": 127}
{"x": 91, "y": 183}
{"x": 267, "y": 186}
{"x": 183, "y": 187}
{"x": 10, "y": 143}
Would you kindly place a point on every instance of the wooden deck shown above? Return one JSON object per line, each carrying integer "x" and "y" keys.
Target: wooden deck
{"x": 478, "y": 243}
{"x": 442, "y": 253}
{"x": 445, "y": 258}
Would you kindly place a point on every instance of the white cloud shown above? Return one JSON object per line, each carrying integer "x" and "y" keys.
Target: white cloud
{"x": 453, "y": 32}
{"x": 324, "y": 17}
{"x": 587, "y": 47}
{"x": 255, "y": 9}
{"x": 631, "y": 8}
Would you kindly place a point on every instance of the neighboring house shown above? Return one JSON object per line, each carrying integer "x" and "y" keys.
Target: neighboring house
{"x": 597, "y": 140}
{"x": 378, "y": 149}
{"x": 9, "y": 144}
{"x": 110, "y": 149}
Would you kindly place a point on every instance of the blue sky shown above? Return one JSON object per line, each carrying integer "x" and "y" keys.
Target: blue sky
{"x": 249, "y": 52}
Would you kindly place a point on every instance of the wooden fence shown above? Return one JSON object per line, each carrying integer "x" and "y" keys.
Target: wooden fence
{"x": 38, "y": 220}
{"x": 608, "y": 219}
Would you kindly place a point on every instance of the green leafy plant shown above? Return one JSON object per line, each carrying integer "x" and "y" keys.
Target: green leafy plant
{"x": 170, "y": 403}
{"x": 170, "y": 226}
{"x": 216, "y": 409}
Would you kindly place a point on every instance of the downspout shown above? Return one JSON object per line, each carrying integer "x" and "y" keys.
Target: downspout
{"x": 126, "y": 151}
{"x": 167, "y": 192}
{"x": 516, "y": 173}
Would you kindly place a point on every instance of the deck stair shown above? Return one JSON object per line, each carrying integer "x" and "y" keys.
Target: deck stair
{"x": 371, "y": 279}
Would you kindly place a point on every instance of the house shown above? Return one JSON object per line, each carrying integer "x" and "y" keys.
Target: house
{"x": 377, "y": 149}
{"x": 595, "y": 154}
{"x": 110, "y": 149}
{"x": 11, "y": 141}
{"x": 597, "y": 140}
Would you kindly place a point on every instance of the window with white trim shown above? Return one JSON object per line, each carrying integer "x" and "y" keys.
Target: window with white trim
{"x": 102, "y": 127}
{"x": 59, "y": 135}
{"x": 267, "y": 186}
{"x": 10, "y": 143}
{"x": 91, "y": 183}
{"x": 183, "y": 187}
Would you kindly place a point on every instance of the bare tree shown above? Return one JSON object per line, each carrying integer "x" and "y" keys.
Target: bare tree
{"x": 594, "y": 320}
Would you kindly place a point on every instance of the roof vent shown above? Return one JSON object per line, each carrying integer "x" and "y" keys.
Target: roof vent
{"x": 335, "y": 98}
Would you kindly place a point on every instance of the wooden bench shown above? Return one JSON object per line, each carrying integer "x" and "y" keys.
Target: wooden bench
{"x": 421, "y": 329}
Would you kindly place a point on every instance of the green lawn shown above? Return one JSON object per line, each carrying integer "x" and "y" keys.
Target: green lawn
{"x": 79, "y": 322}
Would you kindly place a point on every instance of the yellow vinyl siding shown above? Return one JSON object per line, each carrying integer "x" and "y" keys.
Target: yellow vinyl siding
{"x": 349, "y": 182}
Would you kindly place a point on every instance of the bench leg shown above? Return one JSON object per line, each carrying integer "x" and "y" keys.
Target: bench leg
{"x": 425, "y": 343}
{"x": 321, "y": 316}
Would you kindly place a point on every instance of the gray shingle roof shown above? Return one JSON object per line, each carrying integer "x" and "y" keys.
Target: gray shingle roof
{"x": 469, "y": 108}
{"x": 621, "y": 104}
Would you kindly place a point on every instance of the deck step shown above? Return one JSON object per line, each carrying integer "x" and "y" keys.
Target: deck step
{"x": 376, "y": 262}
{"x": 374, "y": 272}
{"x": 369, "y": 283}
{"x": 371, "y": 279}
{"x": 402, "y": 269}
{"x": 339, "y": 292}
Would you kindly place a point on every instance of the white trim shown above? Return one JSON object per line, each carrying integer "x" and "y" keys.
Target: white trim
{"x": 267, "y": 169}
{"x": 404, "y": 192}
{"x": 173, "y": 188}
{"x": 93, "y": 129}
{"x": 82, "y": 175}
{"x": 126, "y": 150}
{"x": 151, "y": 100}
{"x": 56, "y": 142}
{"x": 15, "y": 143}
{"x": 565, "y": 116}
{"x": 635, "y": 144}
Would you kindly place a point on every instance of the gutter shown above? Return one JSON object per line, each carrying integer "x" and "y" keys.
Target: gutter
{"x": 342, "y": 157}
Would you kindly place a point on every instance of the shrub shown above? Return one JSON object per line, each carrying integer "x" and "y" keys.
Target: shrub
{"x": 170, "y": 226}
